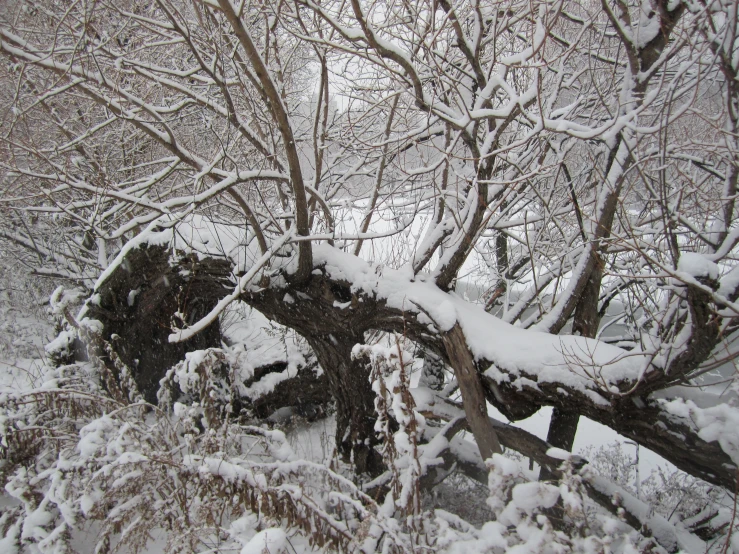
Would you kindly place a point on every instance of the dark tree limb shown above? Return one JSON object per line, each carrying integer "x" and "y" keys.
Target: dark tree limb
{"x": 324, "y": 306}
{"x": 473, "y": 394}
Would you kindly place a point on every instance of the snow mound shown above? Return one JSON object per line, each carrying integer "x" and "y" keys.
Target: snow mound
{"x": 273, "y": 541}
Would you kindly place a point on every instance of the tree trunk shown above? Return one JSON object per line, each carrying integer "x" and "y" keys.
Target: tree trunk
{"x": 137, "y": 302}
{"x": 562, "y": 429}
{"x": 349, "y": 380}
{"x": 563, "y": 425}
{"x": 333, "y": 317}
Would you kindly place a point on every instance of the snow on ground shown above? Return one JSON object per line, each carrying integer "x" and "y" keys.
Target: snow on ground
{"x": 22, "y": 334}
{"x": 313, "y": 441}
{"x": 21, "y": 373}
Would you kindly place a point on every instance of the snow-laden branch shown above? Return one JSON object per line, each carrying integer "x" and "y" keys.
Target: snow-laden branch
{"x": 180, "y": 335}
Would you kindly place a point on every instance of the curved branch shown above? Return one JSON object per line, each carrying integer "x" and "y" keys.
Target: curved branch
{"x": 279, "y": 113}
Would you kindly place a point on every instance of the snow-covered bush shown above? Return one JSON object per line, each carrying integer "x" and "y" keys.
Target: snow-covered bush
{"x": 669, "y": 492}
{"x": 87, "y": 464}
{"x": 76, "y": 460}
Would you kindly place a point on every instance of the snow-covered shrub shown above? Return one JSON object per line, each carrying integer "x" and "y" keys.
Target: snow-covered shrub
{"x": 669, "y": 492}
{"x": 399, "y": 425}
{"x": 520, "y": 513}
{"x": 205, "y": 376}
{"x": 127, "y": 473}
{"x": 86, "y": 461}
{"x": 78, "y": 460}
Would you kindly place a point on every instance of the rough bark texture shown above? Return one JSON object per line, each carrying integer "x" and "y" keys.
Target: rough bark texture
{"x": 136, "y": 307}
{"x": 139, "y": 299}
{"x": 644, "y": 421}
{"x": 434, "y": 367}
{"x": 307, "y": 393}
{"x": 349, "y": 381}
{"x": 473, "y": 395}
{"x": 332, "y": 332}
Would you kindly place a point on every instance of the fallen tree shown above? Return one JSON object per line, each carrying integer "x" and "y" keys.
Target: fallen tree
{"x": 333, "y": 315}
{"x": 569, "y": 157}
{"x": 520, "y": 371}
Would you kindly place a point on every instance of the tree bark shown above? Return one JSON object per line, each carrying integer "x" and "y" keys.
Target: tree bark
{"x": 562, "y": 429}
{"x": 318, "y": 311}
{"x": 349, "y": 380}
{"x": 473, "y": 395}
{"x": 137, "y": 302}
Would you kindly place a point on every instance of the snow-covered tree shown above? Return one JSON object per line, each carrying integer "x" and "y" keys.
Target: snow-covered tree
{"x": 568, "y": 168}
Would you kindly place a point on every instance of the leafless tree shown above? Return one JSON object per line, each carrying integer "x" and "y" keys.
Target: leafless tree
{"x": 569, "y": 156}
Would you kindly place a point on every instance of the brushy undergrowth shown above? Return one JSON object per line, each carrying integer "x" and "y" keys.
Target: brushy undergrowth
{"x": 84, "y": 456}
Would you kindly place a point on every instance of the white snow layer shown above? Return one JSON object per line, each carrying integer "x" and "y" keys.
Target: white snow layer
{"x": 272, "y": 540}
{"x": 697, "y": 265}
{"x": 582, "y": 363}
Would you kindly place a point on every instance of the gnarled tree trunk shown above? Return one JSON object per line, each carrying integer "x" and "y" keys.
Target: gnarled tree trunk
{"x": 137, "y": 302}
{"x": 349, "y": 380}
